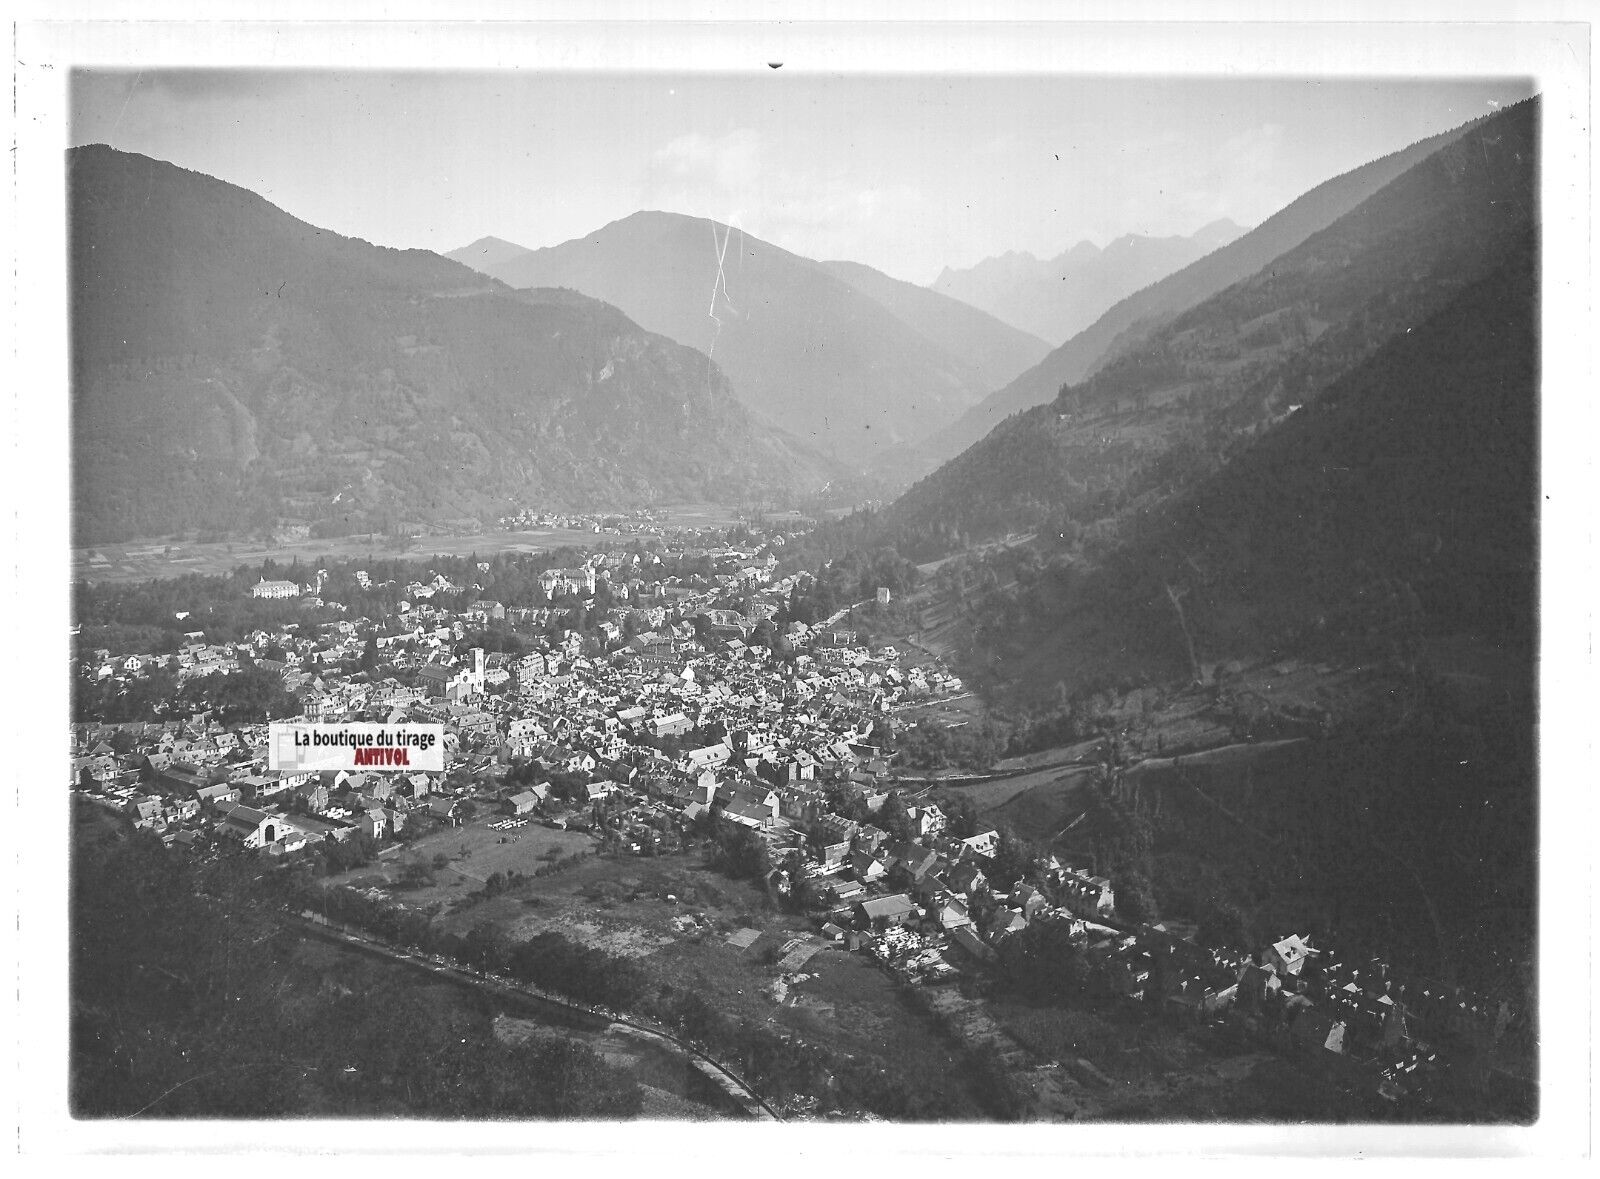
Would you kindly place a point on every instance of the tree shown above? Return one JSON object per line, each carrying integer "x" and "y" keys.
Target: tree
{"x": 416, "y": 874}
{"x": 369, "y": 654}
{"x": 1042, "y": 961}
{"x": 961, "y": 816}
{"x": 1014, "y": 860}
{"x": 1136, "y": 898}
{"x": 738, "y": 851}
{"x": 1224, "y": 925}
{"x": 892, "y": 818}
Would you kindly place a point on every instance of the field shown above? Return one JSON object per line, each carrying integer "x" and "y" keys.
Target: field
{"x": 992, "y": 797}
{"x": 151, "y": 559}
{"x": 670, "y": 1089}
{"x": 948, "y": 712}
{"x": 619, "y": 904}
{"x": 477, "y": 850}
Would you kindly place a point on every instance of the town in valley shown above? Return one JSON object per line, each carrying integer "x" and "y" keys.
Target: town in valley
{"x": 999, "y": 598}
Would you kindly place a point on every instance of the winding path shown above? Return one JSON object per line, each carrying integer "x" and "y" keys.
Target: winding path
{"x": 725, "y": 1078}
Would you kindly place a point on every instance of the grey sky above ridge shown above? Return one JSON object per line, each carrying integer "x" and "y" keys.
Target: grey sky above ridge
{"x": 906, "y": 174}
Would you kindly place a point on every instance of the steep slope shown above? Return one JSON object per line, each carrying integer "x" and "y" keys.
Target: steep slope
{"x": 1139, "y": 315}
{"x": 233, "y": 365}
{"x": 1398, "y": 509}
{"x": 1416, "y": 475}
{"x": 1178, "y": 405}
{"x": 801, "y": 346}
{"x": 1058, "y": 297}
{"x": 996, "y": 351}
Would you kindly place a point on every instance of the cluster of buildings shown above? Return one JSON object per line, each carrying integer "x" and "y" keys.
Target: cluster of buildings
{"x": 641, "y": 521}
{"x": 676, "y": 714}
{"x": 666, "y": 662}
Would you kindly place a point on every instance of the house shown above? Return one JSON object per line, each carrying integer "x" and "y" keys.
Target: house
{"x": 1003, "y": 922}
{"x": 595, "y": 791}
{"x": 831, "y": 828}
{"x": 984, "y": 843}
{"x": 914, "y": 858}
{"x": 870, "y": 838}
{"x": 882, "y": 913}
{"x": 220, "y": 796}
{"x": 950, "y": 915}
{"x": 672, "y": 725}
{"x": 523, "y": 802}
{"x": 967, "y": 878}
{"x": 845, "y": 891}
{"x": 965, "y": 937}
{"x": 929, "y": 820}
{"x": 833, "y": 853}
{"x": 1088, "y": 896}
{"x": 1288, "y": 957}
{"x": 252, "y": 827}
{"x": 1313, "y": 1029}
{"x": 275, "y": 589}
{"x": 757, "y": 797}
{"x": 446, "y": 810}
{"x": 706, "y": 757}
{"x": 867, "y": 867}
{"x": 747, "y": 814}
{"x": 1029, "y": 900}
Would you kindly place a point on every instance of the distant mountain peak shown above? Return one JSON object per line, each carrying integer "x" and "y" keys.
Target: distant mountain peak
{"x": 1216, "y": 234}
{"x": 822, "y": 355}
{"x": 487, "y": 252}
{"x": 1055, "y": 299}
{"x": 487, "y": 244}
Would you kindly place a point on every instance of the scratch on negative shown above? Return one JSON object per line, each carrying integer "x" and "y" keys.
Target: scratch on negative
{"x": 721, "y": 281}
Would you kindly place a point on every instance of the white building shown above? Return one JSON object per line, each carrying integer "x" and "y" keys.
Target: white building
{"x": 275, "y": 589}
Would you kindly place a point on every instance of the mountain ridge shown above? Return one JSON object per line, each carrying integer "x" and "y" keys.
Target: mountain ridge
{"x": 1054, "y": 298}
{"x": 800, "y": 345}
{"x": 233, "y": 365}
{"x": 1139, "y": 314}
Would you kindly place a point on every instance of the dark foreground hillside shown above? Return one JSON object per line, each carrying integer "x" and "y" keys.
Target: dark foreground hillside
{"x": 190, "y": 998}
{"x": 1399, "y": 509}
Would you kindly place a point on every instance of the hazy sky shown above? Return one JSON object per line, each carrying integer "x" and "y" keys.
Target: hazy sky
{"x": 905, "y": 174}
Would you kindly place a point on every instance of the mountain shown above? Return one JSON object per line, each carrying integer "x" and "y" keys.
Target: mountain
{"x": 487, "y": 252}
{"x": 1057, "y": 298}
{"x": 1397, "y": 511}
{"x": 996, "y": 351}
{"x": 1092, "y": 465}
{"x": 232, "y": 365}
{"x": 1140, "y": 314}
{"x": 800, "y": 345}
{"x": 1416, "y": 472}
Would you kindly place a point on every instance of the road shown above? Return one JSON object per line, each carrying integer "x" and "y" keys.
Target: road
{"x": 724, "y": 1078}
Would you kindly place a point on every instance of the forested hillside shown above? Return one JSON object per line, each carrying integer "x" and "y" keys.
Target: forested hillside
{"x": 233, "y": 366}
{"x": 1108, "y": 450}
{"x": 1397, "y": 510}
